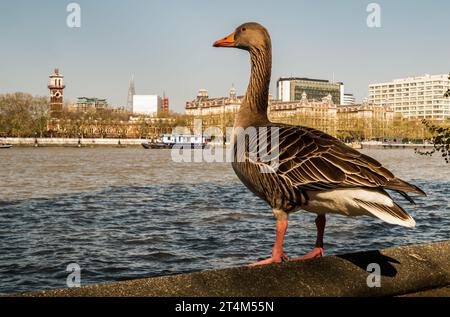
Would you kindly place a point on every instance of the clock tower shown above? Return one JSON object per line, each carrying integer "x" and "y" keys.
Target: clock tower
{"x": 56, "y": 92}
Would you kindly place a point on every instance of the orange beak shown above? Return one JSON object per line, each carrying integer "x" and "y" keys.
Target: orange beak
{"x": 226, "y": 42}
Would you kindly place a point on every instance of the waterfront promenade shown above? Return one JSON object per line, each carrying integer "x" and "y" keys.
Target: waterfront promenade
{"x": 418, "y": 270}
{"x": 71, "y": 142}
{"x": 386, "y": 145}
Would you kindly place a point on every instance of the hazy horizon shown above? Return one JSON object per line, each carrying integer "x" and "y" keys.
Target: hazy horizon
{"x": 167, "y": 45}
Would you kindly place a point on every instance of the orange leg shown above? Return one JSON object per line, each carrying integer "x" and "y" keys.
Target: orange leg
{"x": 277, "y": 252}
{"x": 318, "y": 251}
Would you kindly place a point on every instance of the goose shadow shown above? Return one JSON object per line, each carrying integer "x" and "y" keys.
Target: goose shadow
{"x": 363, "y": 260}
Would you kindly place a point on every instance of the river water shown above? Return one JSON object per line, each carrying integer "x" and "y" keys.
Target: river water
{"x": 124, "y": 213}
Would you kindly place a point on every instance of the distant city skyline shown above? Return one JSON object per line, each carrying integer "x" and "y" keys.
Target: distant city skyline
{"x": 167, "y": 45}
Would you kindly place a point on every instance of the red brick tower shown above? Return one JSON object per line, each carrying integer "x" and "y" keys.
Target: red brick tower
{"x": 56, "y": 92}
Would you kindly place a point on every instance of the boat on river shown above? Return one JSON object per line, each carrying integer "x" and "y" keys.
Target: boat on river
{"x": 5, "y": 146}
{"x": 155, "y": 145}
{"x": 185, "y": 141}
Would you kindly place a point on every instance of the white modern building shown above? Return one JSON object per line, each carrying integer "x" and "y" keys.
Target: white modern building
{"x": 414, "y": 97}
{"x": 149, "y": 105}
{"x": 349, "y": 100}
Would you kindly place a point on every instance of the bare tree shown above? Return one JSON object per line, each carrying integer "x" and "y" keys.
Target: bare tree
{"x": 23, "y": 115}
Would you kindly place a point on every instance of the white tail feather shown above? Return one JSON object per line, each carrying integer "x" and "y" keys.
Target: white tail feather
{"x": 359, "y": 202}
{"x": 394, "y": 214}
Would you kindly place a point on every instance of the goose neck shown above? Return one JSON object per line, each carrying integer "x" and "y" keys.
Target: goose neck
{"x": 256, "y": 100}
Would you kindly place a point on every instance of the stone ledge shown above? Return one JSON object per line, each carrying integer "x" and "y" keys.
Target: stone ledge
{"x": 404, "y": 270}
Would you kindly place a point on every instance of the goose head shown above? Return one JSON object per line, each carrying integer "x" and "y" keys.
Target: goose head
{"x": 248, "y": 36}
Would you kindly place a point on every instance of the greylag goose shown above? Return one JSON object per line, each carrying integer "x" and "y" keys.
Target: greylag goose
{"x": 315, "y": 171}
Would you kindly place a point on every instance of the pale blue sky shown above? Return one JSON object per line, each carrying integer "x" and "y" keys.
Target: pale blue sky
{"x": 168, "y": 44}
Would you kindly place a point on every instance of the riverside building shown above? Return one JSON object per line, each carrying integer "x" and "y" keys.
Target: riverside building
{"x": 148, "y": 105}
{"x": 202, "y": 105}
{"x": 292, "y": 89}
{"x": 414, "y": 97}
{"x": 349, "y": 100}
{"x": 365, "y": 120}
{"x": 85, "y": 104}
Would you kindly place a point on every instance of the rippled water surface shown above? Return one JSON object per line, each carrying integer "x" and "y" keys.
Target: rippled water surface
{"x": 130, "y": 213}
